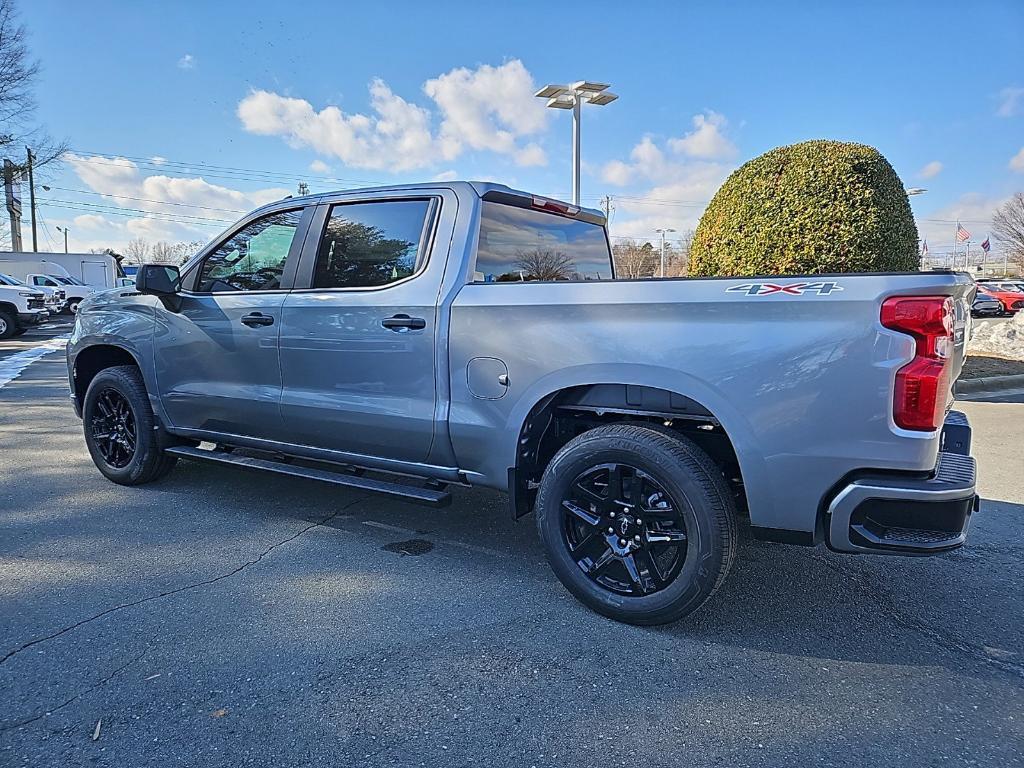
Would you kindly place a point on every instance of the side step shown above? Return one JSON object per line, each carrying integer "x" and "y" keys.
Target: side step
{"x": 427, "y": 496}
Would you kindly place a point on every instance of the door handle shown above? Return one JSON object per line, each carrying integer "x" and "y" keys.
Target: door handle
{"x": 398, "y": 322}
{"x": 257, "y": 319}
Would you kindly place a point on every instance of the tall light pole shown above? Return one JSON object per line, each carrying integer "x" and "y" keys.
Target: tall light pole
{"x": 65, "y": 231}
{"x": 573, "y": 97}
{"x": 663, "y": 232}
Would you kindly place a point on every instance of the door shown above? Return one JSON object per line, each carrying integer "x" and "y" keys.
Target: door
{"x": 217, "y": 356}
{"x": 358, "y": 332}
{"x": 95, "y": 273}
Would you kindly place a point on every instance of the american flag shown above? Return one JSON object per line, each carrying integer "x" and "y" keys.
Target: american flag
{"x": 986, "y": 246}
{"x": 962, "y": 234}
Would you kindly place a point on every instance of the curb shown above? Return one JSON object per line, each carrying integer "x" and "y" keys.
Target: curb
{"x": 988, "y": 384}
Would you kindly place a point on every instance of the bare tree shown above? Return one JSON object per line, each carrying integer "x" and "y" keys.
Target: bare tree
{"x": 545, "y": 265}
{"x": 1008, "y": 224}
{"x": 18, "y": 75}
{"x": 172, "y": 253}
{"x": 634, "y": 260}
{"x": 677, "y": 259}
{"x": 136, "y": 251}
{"x": 185, "y": 251}
{"x": 163, "y": 253}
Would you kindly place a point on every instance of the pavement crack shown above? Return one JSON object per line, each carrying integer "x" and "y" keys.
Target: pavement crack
{"x": 98, "y": 684}
{"x": 184, "y": 588}
{"x": 948, "y": 640}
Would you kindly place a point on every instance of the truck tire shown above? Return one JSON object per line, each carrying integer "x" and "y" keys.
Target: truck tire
{"x": 8, "y": 324}
{"x": 120, "y": 428}
{"x": 638, "y": 524}
{"x": 72, "y": 306}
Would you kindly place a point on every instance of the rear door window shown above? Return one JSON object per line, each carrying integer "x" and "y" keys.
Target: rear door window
{"x": 369, "y": 245}
{"x": 523, "y": 245}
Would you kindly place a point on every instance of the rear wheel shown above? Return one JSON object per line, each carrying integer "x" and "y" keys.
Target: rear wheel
{"x": 636, "y": 523}
{"x": 8, "y": 324}
{"x": 120, "y": 428}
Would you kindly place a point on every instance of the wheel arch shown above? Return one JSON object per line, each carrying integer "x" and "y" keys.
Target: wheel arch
{"x": 89, "y": 361}
{"x": 637, "y": 394}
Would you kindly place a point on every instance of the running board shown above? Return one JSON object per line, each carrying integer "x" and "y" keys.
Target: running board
{"x": 427, "y": 496}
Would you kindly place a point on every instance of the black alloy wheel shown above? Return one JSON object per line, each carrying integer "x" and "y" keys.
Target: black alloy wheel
{"x": 113, "y": 428}
{"x": 623, "y": 529}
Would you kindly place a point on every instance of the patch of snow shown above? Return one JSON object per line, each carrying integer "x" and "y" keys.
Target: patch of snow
{"x": 999, "y": 339}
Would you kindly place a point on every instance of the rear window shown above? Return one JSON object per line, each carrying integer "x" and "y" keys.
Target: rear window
{"x": 522, "y": 245}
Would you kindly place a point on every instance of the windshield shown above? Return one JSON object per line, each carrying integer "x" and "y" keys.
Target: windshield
{"x": 8, "y": 280}
{"x": 67, "y": 280}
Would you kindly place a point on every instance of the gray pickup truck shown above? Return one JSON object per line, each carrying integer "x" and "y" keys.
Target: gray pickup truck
{"x": 407, "y": 339}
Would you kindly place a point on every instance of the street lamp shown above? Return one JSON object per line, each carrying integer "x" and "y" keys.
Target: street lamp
{"x": 65, "y": 231}
{"x": 573, "y": 97}
{"x": 663, "y": 232}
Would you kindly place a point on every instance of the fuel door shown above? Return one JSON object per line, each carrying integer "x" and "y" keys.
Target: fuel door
{"x": 487, "y": 378}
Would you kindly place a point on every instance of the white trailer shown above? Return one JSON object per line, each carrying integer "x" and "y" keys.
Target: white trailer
{"x": 97, "y": 270}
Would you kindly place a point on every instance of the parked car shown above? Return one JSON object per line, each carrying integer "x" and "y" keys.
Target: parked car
{"x": 20, "y": 308}
{"x": 985, "y": 305}
{"x": 469, "y": 334}
{"x": 1011, "y": 301}
{"x": 53, "y": 298}
{"x": 76, "y": 290}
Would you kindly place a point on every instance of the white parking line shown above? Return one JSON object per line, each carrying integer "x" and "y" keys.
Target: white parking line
{"x": 12, "y": 365}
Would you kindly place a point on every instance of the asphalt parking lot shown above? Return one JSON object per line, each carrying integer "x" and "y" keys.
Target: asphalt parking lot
{"x": 218, "y": 618}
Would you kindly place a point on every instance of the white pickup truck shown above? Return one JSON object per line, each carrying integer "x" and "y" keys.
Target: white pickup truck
{"x": 21, "y": 307}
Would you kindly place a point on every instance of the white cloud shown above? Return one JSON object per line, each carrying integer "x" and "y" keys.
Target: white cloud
{"x": 1011, "y": 100}
{"x": 617, "y": 172}
{"x": 676, "y": 195}
{"x": 157, "y": 160}
{"x": 531, "y": 154}
{"x": 397, "y": 137}
{"x": 1017, "y": 161}
{"x": 974, "y": 210}
{"x": 931, "y": 170}
{"x": 193, "y": 200}
{"x": 488, "y": 108}
{"x": 91, "y": 221}
{"x": 706, "y": 141}
{"x": 319, "y": 166}
{"x": 450, "y": 175}
{"x": 187, "y": 61}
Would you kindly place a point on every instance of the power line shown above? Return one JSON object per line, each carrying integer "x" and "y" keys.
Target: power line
{"x": 150, "y": 200}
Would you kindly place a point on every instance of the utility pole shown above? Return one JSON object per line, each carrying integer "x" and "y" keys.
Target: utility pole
{"x": 662, "y": 232}
{"x": 606, "y": 205}
{"x": 12, "y": 189}
{"x": 32, "y": 199}
{"x": 303, "y": 189}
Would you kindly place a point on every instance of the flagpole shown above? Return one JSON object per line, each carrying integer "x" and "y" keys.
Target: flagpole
{"x": 955, "y": 231}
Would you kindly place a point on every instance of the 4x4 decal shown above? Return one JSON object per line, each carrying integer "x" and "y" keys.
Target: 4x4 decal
{"x": 790, "y": 289}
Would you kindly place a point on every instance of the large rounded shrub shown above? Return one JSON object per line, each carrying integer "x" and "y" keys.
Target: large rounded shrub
{"x": 810, "y": 208}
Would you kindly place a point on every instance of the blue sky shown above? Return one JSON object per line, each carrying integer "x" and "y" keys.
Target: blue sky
{"x": 341, "y": 94}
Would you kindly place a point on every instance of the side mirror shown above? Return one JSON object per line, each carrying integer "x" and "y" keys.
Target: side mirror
{"x": 162, "y": 281}
{"x": 158, "y": 280}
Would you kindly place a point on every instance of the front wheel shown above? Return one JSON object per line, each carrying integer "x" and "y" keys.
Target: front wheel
{"x": 8, "y": 324}
{"x": 637, "y": 523}
{"x": 120, "y": 428}
{"x": 72, "y": 306}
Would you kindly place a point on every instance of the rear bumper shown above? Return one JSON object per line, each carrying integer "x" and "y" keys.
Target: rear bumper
{"x": 901, "y": 515}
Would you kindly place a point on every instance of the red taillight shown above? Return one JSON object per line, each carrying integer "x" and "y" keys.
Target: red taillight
{"x": 922, "y": 385}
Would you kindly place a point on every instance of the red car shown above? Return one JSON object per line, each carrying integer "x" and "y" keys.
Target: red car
{"x": 1012, "y": 301}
